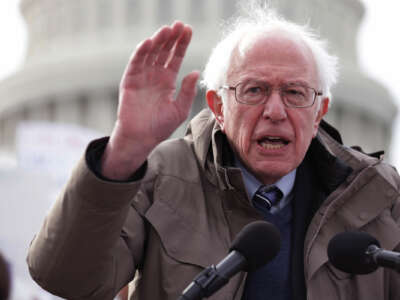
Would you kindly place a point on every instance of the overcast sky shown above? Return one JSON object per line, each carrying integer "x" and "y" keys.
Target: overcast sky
{"x": 379, "y": 47}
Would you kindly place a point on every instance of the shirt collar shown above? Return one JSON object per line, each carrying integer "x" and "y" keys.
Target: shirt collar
{"x": 252, "y": 184}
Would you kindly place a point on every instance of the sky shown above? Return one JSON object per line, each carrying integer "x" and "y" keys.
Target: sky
{"x": 13, "y": 37}
{"x": 377, "y": 44}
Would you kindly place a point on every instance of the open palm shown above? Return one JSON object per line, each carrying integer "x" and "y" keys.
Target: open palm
{"x": 148, "y": 111}
{"x": 147, "y": 105}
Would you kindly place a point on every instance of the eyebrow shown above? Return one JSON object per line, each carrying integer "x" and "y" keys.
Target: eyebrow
{"x": 296, "y": 82}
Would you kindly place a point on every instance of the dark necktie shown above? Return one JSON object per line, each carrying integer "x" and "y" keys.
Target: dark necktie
{"x": 267, "y": 196}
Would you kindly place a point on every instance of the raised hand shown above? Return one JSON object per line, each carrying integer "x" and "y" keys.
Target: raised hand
{"x": 148, "y": 113}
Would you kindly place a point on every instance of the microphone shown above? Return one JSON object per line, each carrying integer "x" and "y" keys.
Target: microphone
{"x": 255, "y": 245}
{"x": 360, "y": 253}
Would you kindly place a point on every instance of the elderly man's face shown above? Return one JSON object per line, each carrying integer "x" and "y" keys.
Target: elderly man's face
{"x": 270, "y": 139}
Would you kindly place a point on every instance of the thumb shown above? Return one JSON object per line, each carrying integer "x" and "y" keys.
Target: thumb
{"x": 187, "y": 92}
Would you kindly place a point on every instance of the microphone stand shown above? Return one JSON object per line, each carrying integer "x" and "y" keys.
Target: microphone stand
{"x": 391, "y": 259}
{"x": 204, "y": 284}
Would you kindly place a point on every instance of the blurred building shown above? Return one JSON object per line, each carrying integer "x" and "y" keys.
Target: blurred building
{"x": 77, "y": 52}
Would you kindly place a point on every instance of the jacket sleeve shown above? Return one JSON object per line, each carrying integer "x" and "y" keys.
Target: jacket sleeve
{"x": 91, "y": 241}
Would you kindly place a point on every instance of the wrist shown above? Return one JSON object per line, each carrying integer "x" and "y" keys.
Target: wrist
{"x": 122, "y": 157}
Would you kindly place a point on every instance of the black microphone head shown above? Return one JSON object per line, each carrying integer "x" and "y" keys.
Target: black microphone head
{"x": 258, "y": 242}
{"x": 347, "y": 252}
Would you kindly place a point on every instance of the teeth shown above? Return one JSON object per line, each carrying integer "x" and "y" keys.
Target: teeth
{"x": 273, "y": 142}
{"x": 273, "y": 146}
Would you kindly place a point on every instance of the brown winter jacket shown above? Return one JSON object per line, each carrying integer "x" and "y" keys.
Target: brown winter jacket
{"x": 182, "y": 215}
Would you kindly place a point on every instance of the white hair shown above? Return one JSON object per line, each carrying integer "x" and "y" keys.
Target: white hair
{"x": 257, "y": 20}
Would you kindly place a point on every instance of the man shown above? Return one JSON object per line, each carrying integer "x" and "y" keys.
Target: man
{"x": 159, "y": 212}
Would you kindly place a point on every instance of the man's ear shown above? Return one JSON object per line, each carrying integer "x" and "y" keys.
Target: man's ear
{"x": 215, "y": 103}
{"x": 323, "y": 109}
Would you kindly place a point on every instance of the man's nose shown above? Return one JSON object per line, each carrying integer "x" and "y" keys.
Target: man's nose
{"x": 274, "y": 108}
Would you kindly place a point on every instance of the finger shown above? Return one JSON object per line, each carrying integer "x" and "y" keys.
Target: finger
{"x": 165, "y": 53}
{"x": 158, "y": 40}
{"x": 187, "y": 93}
{"x": 180, "y": 49}
{"x": 138, "y": 57}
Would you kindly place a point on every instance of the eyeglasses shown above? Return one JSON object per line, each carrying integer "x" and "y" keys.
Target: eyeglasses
{"x": 292, "y": 95}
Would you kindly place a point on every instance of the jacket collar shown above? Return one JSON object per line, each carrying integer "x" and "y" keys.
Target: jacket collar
{"x": 200, "y": 130}
{"x": 213, "y": 151}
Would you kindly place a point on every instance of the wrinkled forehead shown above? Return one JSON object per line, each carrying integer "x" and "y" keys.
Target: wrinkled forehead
{"x": 274, "y": 48}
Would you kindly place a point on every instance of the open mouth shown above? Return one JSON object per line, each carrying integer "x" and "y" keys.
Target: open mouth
{"x": 272, "y": 142}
